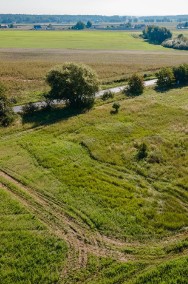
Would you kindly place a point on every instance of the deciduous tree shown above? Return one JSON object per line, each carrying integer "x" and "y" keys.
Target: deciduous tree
{"x": 76, "y": 84}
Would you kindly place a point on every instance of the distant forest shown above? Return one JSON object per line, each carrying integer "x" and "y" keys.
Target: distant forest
{"x": 66, "y": 19}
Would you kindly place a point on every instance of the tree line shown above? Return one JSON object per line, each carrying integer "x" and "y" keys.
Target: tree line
{"x": 32, "y": 19}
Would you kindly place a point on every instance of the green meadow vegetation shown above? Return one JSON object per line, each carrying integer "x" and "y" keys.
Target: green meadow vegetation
{"x": 28, "y": 252}
{"x": 130, "y": 214}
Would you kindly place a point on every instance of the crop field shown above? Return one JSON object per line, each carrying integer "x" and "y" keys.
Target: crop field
{"x": 74, "y": 178}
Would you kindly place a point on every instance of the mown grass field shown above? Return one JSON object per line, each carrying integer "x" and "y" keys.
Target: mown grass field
{"x": 84, "y": 40}
{"x": 124, "y": 220}
{"x": 75, "y": 40}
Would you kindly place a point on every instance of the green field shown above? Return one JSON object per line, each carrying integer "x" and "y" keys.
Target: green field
{"x": 75, "y": 40}
{"x": 124, "y": 220}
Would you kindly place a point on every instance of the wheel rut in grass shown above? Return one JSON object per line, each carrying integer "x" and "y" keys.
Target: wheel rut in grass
{"x": 81, "y": 242}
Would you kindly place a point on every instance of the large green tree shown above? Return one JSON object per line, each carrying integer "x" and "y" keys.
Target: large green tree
{"x": 76, "y": 84}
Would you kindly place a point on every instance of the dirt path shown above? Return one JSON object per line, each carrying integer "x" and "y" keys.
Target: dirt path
{"x": 64, "y": 51}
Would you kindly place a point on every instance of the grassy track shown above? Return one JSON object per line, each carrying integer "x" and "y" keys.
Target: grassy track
{"x": 75, "y": 40}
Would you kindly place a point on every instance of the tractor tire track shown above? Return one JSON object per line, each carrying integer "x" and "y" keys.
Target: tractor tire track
{"x": 80, "y": 241}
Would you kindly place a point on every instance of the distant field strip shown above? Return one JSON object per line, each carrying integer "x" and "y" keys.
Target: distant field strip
{"x": 75, "y": 40}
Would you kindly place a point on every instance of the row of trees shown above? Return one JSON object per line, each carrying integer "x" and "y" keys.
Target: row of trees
{"x": 74, "y": 84}
{"x": 169, "y": 77}
{"x": 43, "y": 19}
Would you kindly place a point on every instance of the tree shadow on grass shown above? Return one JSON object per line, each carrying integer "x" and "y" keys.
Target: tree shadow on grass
{"x": 47, "y": 116}
{"x": 166, "y": 89}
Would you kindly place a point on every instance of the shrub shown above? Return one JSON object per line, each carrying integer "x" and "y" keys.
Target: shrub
{"x": 116, "y": 107}
{"x": 135, "y": 85}
{"x": 142, "y": 152}
{"x": 79, "y": 26}
{"x": 107, "y": 95}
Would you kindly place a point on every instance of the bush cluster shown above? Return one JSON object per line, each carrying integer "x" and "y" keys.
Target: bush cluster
{"x": 155, "y": 34}
{"x": 107, "y": 95}
{"x": 180, "y": 42}
{"x": 169, "y": 77}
